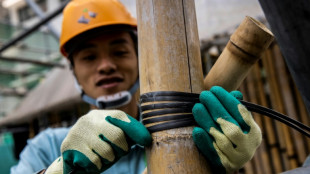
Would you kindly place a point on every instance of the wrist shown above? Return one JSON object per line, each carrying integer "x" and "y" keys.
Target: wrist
{"x": 41, "y": 171}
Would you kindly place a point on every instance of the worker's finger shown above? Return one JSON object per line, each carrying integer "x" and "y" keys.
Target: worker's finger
{"x": 135, "y": 130}
{"x": 215, "y": 107}
{"x": 231, "y": 105}
{"x": 203, "y": 118}
{"x": 74, "y": 159}
{"x": 207, "y": 146}
{"x": 237, "y": 94}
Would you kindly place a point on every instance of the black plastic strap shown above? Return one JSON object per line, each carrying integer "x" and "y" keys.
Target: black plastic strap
{"x": 166, "y": 111}
{"x": 167, "y": 118}
{"x": 172, "y": 125}
{"x": 183, "y": 103}
{"x": 169, "y": 98}
{"x": 169, "y": 94}
{"x": 167, "y": 105}
{"x": 278, "y": 116}
{"x": 180, "y": 105}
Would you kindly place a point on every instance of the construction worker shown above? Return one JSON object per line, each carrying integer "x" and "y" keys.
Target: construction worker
{"x": 99, "y": 39}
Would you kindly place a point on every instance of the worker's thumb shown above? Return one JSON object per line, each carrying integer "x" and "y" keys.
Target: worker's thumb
{"x": 135, "y": 130}
{"x": 56, "y": 167}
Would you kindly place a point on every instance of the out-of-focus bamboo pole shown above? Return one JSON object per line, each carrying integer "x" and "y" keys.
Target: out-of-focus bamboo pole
{"x": 288, "y": 102}
{"x": 258, "y": 88}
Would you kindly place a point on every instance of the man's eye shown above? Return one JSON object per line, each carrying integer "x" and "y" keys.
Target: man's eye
{"x": 88, "y": 58}
{"x": 120, "y": 53}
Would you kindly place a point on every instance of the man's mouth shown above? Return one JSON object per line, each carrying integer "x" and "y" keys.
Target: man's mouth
{"x": 109, "y": 82}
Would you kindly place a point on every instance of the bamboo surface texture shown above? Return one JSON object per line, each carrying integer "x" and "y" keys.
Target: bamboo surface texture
{"x": 243, "y": 50}
{"x": 169, "y": 60}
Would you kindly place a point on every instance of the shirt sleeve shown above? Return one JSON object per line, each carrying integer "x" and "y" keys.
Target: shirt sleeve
{"x": 40, "y": 151}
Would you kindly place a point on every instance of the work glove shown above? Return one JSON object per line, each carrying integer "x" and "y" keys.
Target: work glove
{"x": 98, "y": 140}
{"x": 228, "y": 135}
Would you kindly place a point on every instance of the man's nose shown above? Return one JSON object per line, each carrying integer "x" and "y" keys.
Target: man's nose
{"x": 106, "y": 66}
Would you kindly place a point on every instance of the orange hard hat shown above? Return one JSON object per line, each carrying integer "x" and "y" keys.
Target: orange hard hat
{"x": 80, "y": 16}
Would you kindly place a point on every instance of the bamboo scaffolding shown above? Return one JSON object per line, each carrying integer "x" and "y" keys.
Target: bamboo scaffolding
{"x": 252, "y": 88}
{"x": 288, "y": 102}
{"x": 275, "y": 155}
{"x": 169, "y": 60}
{"x": 286, "y": 146}
{"x": 304, "y": 117}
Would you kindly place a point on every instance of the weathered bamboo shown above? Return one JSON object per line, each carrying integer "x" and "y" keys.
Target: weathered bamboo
{"x": 288, "y": 102}
{"x": 270, "y": 133}
{"x": 303, "y": 114}
{"x": 290, "y": 23}
{"x": 245, "y": 47}
{"x": 169, "y": 60}
{"x": 258, "y": 86}
{"x": 277, "y": 104}
{"x": 252, "y": 83}
{"x": 266, "y": 78}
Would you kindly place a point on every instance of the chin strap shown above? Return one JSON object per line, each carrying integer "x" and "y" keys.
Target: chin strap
{"x": 110, "y": 101}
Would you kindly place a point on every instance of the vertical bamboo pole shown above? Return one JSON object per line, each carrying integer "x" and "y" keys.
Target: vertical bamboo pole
{"x": 305, "y": 117}
{"x": 288, "y": 102}
{"x": 260, "y": 98}
{"x": 256, "y": 161}
{"x": 169, "y": 60}
{"x": 252, "y": 83}
{"x": 276, "y": 102}
{"x": 271, "y": 140}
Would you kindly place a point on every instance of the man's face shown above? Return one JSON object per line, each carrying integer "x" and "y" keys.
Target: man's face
{"x": 106, "y": 64}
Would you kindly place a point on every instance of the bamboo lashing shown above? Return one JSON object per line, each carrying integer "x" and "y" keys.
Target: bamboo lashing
{"x": 169, "y": 60}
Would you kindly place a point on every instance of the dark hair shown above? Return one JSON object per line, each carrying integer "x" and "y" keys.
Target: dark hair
{"x": 72, "y": 45}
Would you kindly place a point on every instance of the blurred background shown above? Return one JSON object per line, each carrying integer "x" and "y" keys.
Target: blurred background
{"x": 37, "y": 89}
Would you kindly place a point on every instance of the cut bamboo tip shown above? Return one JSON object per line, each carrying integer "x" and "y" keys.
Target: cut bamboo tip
{"x": 245, "y": 47}
{"x": 252, "y": 36}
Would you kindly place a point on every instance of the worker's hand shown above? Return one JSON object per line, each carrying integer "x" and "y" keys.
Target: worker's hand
{"x": 228, "y": 135}
{"x": 99, "y": 139}
{"x": 56, "y": 167}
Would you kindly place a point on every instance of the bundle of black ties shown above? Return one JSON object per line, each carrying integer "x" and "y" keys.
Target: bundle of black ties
{"x": 177, "y": 110}
{"x": 180, "y": 105}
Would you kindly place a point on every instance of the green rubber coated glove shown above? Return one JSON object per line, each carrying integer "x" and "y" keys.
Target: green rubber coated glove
{"x": 228, "y": 135}
{"x": 99, "y": 139}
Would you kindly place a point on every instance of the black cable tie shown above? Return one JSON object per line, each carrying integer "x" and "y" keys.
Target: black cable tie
{"x": 169, "y": 93}
{"x": 172, "y": 125}
{"x": 167, "y": 118}
{"x": 277, "y": 116}
{"x": 168, "y": 105}
{"x": 166, "y": 111}
{"x": 183, "y": 103}
{"x": 169, "y": 98}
